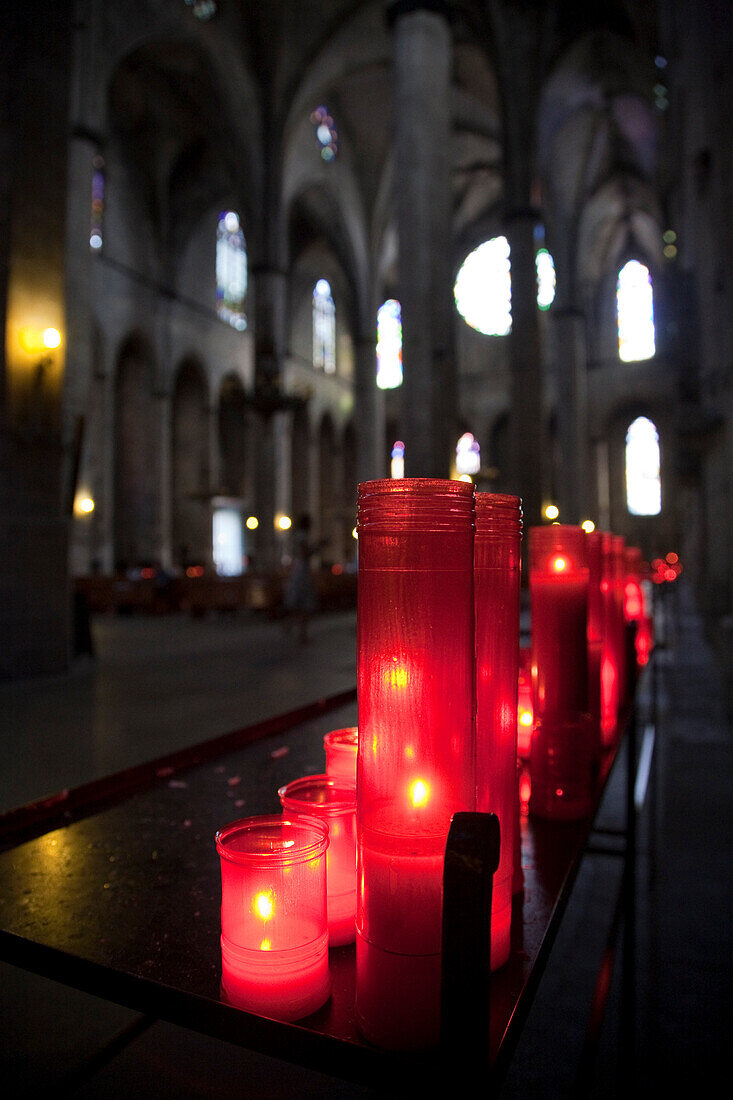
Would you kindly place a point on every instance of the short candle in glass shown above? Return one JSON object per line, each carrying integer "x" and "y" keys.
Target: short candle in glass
{"x": 332, "y": 800}
{"x": 341, "y": 748}
{"x": 416, "y": 759}
{"x": 561, "y": 751}
{"x": 274, "y": 931}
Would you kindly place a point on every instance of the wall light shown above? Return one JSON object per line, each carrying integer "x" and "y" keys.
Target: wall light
{"x": 284, "y": 523}
{"x": 252, "y": 523}
{"x": 83, "y": 505}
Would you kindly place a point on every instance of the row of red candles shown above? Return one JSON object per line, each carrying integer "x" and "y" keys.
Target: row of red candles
{"x": 438, "y": 670}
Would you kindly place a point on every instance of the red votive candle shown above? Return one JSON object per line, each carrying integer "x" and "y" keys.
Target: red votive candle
{"x": 560, "y": 754}
{"x": 525, "y": 714}
{"x": 416, "y": 758}
{"x": 619, "y": 572}
{"x": 331, "y": 799}
{"x": 274, "y": 931}
{"x": 496, "y": 593}
{"x": 341, "y": 746}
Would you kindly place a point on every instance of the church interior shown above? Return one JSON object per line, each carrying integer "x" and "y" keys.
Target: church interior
{"x": 254, "y": 254}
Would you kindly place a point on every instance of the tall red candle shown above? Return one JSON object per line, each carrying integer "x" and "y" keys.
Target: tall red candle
{"x": 525, "y": 717}
{"x": 416, "y": 754}
{"x": 612, "y": 644}
{"x": 619, "y": 581}
{"x": 594, "y": 555}
{"x": 496, "y": 581}
{"x": 560, "y": 754}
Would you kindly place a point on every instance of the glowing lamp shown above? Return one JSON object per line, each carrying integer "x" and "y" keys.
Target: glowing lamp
{"x": 274, "y": 932}
{"x": 283, "y": 523}
{"x": 561, "y": 746}
{"x": 415, "y": 764}
{"x": 252, "y": 523}
{"x": 552, "y": 511}
{"x": 83, "y": 505}
{"x": 496, "y": 585}
{"x": 333, "y": 801}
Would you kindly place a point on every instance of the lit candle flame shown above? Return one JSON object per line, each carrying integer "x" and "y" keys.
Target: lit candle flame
{"x": 525, "y": 717}
{"x": 264, "y": 906}
{"x": 560, "y": 564}
{"x": 419, "y": 793}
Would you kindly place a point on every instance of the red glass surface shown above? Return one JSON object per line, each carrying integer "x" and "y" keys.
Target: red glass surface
{"x": 619, "y": 555}
{"x": 416, "y": 756}
{"x": 496, "y": 581}
{"x": 594, "y": 552}
{"x": 612, "y": 651}
{"x": 341, "y": 747}
{"x": 331, "y": 799}
{"x": 561, "y": 748}
{"x": 274, "y": 934}
{"x": 525, "y": 714}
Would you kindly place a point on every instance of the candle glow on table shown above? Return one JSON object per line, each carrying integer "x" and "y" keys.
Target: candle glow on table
{"x": 496, "y": 585}
{"x": 274, "y": 935}
{"x": 332, "y": 800}
{"x": 415, "y": 682}
{"x": 341, "y": 748}
{"x": 561, "y": 750}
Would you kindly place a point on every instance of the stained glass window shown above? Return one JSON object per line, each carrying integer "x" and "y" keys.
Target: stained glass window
{"x": 545, "y": 279}
{"x": 397, "y": 460}
{"x": 468, "y": 455}
{"x": 231, "y": 270}
{"x": 97, "y": 214}
{"x": 643, "y": 484}
{"x": 389, "y": 345}
{"x": 326, "y": 134}
{"x": 324, "y": 328}
{"x": 635, "y": 310}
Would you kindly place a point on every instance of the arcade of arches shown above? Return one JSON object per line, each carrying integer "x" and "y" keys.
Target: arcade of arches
{"x": 209, "y": 204}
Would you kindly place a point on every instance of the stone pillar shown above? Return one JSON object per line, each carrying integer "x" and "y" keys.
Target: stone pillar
{"x": 34, "y": 514}
{"x": 369, "y": 413}
{"x": 526, "y": 419}
{"x": 572, "y": 412}
{"x": 269, "y": 288}
{"x": 423, "y": 203}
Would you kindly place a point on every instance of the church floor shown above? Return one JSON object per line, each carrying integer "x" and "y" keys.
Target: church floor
{"x": 159, "y": 684}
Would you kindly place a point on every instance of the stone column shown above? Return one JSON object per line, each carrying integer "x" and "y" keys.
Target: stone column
{"x": 526, "y": 419}
{"x": 269, "y": 288}
{"x": 572, "y": 412}
{"x": 422, "y": 96}
{"x": 371, "y": 459}
{"x": 34, "y": 516}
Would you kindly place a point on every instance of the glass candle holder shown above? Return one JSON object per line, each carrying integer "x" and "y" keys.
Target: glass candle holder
{"x": 594, "y": 552}
{"x": 496, "y": 593}
{"x": 416, "y": 758}
{"x": 619, "y": 574}
{"x": 341, "y": 747}
{"x": 332, "y": 800}
{"x": 560, "y": 754}
{"x": 274, "y": 931}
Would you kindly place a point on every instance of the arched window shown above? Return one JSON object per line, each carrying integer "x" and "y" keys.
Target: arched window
{"x": 483, "y": 289}
{"x": 231, "y": 270}
{"x": 324, "y": 328}
{"x": 635, "y": 310}
{"x": 643, "y": 484}
{"x": 389, "y": 345}
{"x": 545, "y": 278}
